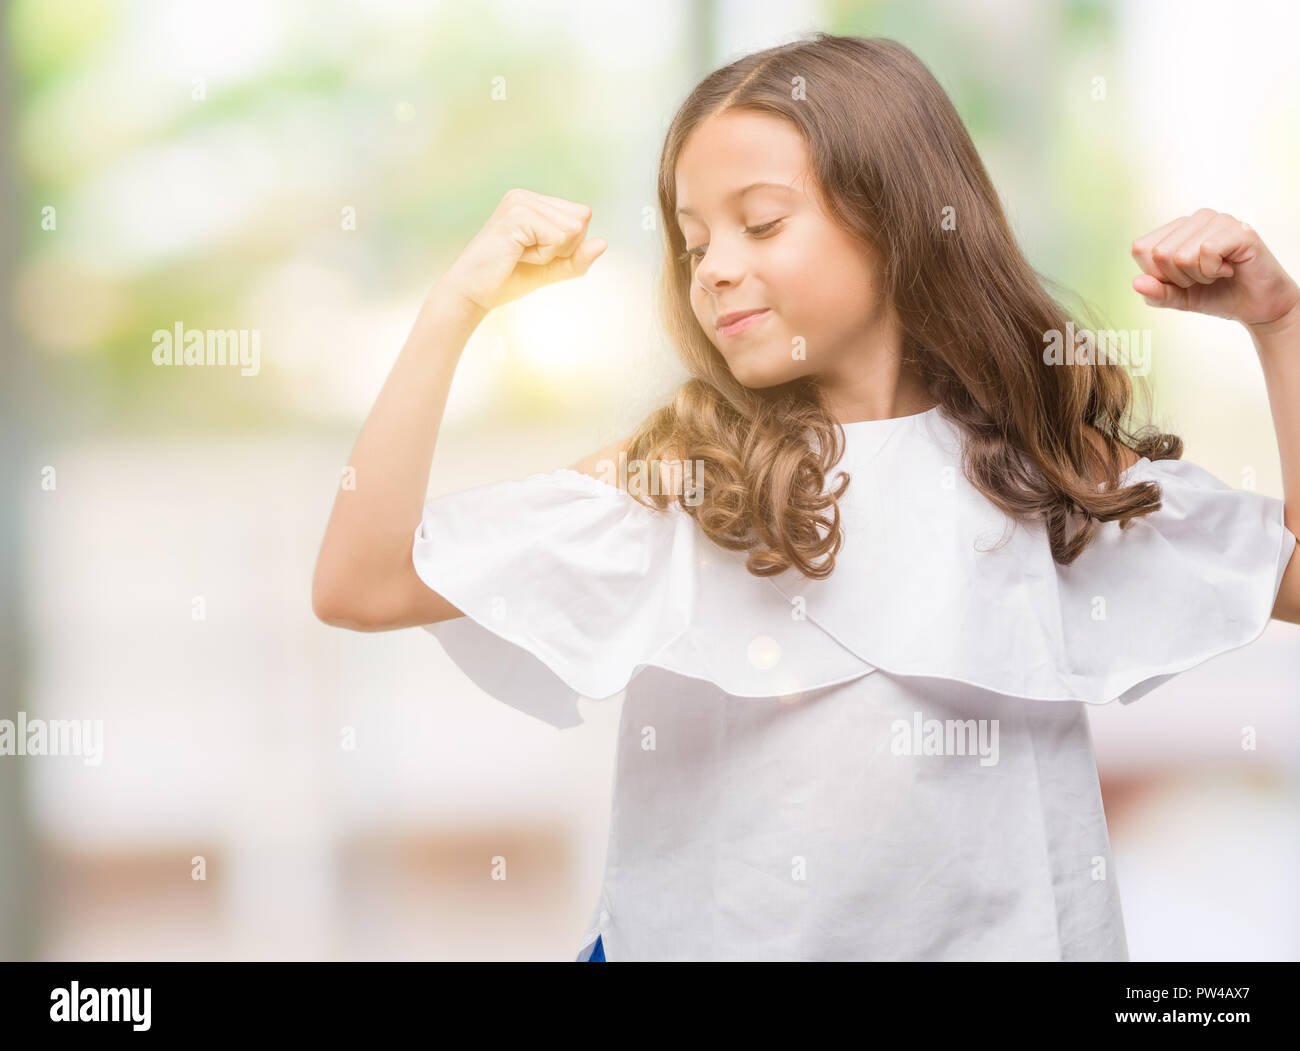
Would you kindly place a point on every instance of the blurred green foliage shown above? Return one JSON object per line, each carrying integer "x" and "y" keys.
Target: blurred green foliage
{"x": 398, "y": 120}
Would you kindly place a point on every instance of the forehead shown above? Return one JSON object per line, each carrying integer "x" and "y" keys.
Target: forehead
{"x": 730, "y": 151}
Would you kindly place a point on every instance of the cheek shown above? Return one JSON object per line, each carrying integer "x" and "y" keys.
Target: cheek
{"x": 828, "y": 290}
{"x": 802, "y": 277}
{"x": 702, "y": 306}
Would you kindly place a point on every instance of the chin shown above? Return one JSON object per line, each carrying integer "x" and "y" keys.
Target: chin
{"x": 758, "y": 375}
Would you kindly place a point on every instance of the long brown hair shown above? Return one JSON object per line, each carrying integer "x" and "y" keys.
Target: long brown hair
{"x": 889, "y": 154}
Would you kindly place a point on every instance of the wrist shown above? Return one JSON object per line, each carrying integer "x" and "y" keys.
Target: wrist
{"x": 1285, "y": 328}
{"x": 448, "y": 301}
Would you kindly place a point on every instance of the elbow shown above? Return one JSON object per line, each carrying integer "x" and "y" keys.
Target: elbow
{"x": 331, "y": 605}
{"x": 363, "y": 597}
{"x": 338, "y": 607}
{"x": 324, "y": 604}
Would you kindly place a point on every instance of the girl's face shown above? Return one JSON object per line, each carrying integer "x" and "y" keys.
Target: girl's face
{"x": 771, "y": 247}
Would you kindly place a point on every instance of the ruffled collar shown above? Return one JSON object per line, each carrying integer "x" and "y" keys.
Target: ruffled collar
{"x": 933, "y": 579}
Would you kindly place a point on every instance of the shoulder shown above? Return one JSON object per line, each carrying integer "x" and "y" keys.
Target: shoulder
{"x": 602, "y": 465}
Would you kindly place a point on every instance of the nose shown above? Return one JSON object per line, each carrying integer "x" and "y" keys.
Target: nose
{"x": 719, "y": 269}
{"x": 708, "y": 279}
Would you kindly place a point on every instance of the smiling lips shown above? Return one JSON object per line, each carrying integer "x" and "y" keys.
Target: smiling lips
{"x": 738, "y": 321}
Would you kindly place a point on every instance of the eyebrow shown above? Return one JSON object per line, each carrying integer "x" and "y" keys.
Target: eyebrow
{"x": 741, "y": 192}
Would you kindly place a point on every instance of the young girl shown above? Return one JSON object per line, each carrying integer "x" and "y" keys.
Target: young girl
{"x": 863, "y": 573}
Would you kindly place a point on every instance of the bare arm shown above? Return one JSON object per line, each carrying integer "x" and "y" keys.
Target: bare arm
{"x": 1278, "y": 345}
{"x": 365, "y": 575}
{"x": 364, "y": 571}
{"x": 1212, "y": 263}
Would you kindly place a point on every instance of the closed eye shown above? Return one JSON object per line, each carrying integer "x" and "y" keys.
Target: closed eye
{"x": 757, "y": 231}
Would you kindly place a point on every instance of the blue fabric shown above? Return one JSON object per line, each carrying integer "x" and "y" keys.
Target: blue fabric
{"x": 597, "y": 952}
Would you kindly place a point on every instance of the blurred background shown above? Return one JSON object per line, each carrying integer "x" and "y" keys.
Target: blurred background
{"x": 307, "y": 170}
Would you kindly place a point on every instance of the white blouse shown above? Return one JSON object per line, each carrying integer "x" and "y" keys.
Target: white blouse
{"x": 891, "y": 764}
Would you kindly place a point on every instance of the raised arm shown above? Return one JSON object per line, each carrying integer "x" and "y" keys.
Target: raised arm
{"x": 364, "y": 575}
{"x": 365, "y": 579}
{"x": 1278, "y": 344}
{"x": 1211, "y": 263}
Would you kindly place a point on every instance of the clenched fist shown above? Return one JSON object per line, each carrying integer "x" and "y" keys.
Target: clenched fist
{"x": 1211, "y": 263}
{"x": 530, "y": 240}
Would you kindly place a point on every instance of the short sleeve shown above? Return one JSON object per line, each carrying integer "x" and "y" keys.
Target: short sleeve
{"x": 1207, "y": 567}
{"x": 570, "y": 587}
